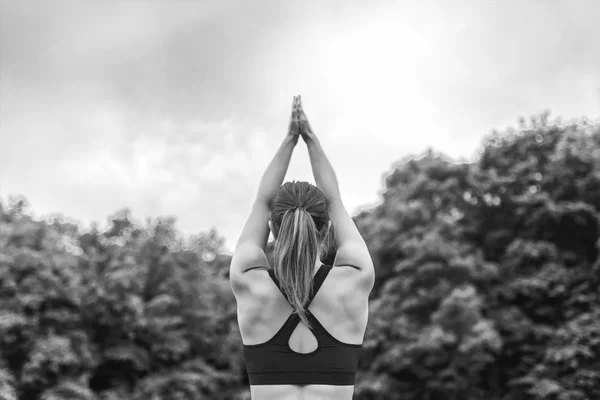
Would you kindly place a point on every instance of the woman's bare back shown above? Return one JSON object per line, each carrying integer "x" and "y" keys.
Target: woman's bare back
{"x": 339, "y": 308}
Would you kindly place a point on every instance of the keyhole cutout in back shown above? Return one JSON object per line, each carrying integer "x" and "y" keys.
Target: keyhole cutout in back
{"x": 302, "y": 340}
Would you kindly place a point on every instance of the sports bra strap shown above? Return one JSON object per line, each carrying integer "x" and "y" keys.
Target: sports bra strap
{"x": 318, "y": 280}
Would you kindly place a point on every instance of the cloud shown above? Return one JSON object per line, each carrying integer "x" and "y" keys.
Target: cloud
{"x": 177, "y": 108}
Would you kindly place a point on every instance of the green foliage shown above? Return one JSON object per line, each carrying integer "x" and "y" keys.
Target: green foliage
{"x": 487, "y": 287}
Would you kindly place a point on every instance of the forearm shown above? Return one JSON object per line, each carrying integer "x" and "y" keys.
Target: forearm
{"x": 275, "y": 173}
{"x": 323, "y": 172}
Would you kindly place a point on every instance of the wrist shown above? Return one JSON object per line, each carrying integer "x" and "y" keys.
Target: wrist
{"x": 310, "y": 140}
{"x": 290, "y": 141}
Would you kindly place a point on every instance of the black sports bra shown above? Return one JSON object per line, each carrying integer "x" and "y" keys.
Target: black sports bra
{"x": 275, "y": 363}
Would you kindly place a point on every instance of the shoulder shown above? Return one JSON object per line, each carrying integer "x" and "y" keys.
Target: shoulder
{"x": 358, "y": 281}
{"x": 248, "y": 270}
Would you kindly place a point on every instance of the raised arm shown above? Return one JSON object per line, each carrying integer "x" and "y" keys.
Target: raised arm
{"x": 250, "y": 248}
{"x": 351, "y": 248}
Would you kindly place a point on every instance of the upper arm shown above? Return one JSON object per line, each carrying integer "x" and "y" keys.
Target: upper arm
{"x": 250, "y": 250}
{"x": 245, "y": 263}
{"x": 352, "y": 250}
{"x": 256, "y": 228}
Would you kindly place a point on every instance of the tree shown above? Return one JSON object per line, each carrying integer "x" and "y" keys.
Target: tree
{"x": 487, "y": 287}
{"x": 487, "y": 273}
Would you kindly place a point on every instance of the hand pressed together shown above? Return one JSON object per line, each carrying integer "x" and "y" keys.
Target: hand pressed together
{"x": 304, "y": 126}
{"x": 299, "y": 125}
{"x": 293, "y": 127}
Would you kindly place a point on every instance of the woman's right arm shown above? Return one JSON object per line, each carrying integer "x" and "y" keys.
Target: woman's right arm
{"x": 351, "y": 248}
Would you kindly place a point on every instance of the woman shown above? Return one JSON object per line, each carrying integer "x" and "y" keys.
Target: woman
{"x": 302, "y": 322}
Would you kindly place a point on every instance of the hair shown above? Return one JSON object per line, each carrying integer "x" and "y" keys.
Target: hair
{"x": 300, "y": 226}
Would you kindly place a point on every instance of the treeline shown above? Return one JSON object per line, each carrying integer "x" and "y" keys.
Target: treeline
{"x": 487, "y": 288}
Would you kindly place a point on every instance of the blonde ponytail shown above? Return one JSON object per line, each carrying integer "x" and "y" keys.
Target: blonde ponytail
{"x": 300, "y": 221}
{"x": 295, "y": 256}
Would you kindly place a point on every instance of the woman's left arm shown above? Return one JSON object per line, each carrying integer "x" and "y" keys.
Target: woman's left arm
{"x": 250, "y": 248}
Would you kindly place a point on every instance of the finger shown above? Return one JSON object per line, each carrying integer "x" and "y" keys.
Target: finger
{"x": 300, "y": 109}
{"x": 294, "y": 117}
{"x": 294, "y": 107}
{"x": 295, "y": 110}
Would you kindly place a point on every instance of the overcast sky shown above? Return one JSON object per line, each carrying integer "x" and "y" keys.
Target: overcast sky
{"x": 176, "y": 107}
